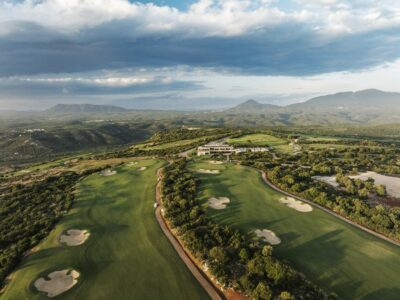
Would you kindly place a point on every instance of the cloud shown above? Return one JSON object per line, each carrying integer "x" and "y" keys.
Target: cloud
{"x": 91, "y": 85}
{"x": 255, "y": 37}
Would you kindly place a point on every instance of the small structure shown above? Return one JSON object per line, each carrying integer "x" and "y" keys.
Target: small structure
{"x": 215, "y": 148}
{"x": 219, "y": 148}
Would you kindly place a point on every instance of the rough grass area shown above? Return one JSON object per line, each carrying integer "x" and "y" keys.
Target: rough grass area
{"x": 261, "y": 139}
{"x": 333, "y": 254}
{"x": 126, "y": 256}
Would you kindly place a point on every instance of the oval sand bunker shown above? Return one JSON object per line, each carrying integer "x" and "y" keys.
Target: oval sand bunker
{"x": 218, "y": 203}
{"x": 57, "y": 283}
{"x": 108, "y": 172}
{"x": 215, "y": 162}
{"x": 204, "y": 171}
{"x": 296, "y": 204}
{"x": 268, "y": 236}
{"x": 142, "y": 168}
{"x": 74, "y": 237}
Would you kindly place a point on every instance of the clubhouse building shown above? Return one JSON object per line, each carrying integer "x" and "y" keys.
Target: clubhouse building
{"x": 221, "y": 148}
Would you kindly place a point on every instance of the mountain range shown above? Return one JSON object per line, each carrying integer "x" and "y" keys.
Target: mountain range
{"x": 362, "y": 107}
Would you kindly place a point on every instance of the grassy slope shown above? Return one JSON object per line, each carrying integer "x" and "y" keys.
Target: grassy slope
{"x": 260, "y": 139}
{"x": 126, "y": 256}
{"x": 339, "y": 257}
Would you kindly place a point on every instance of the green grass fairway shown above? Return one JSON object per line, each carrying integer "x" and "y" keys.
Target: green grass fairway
{"x": 126, "y": 257}
{"x": 337, "y": 256}
{"x": 261, "y": 139}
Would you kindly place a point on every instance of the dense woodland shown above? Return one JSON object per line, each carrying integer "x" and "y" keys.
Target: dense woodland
{"x": 29, "y": 212}
{"x": 234, "y": 260}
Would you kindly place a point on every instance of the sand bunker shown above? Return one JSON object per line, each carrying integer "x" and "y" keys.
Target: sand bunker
{"x": 296, "y": 204}
{"x": 142, "y": 168}
{"x": 215, "y": 162}
{"x": 331, "y": 180}
{"x": 132, "y": 163}
{"x": 268, "y": 236}
{"x": 74, "y": 237}
{"x": 218, "y": 203}
{"x": 204, "y": 171}
{"x": 58, "y": 282}
{"x": 108, "y": 172}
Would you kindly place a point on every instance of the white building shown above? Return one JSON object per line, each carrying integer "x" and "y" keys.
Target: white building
{"x": 210, "y": 149}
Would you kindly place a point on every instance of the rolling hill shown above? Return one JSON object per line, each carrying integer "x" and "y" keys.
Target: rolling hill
{"x": 84, "y": 108}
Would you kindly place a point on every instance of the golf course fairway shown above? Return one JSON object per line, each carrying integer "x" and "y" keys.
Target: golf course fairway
{"x": 126, "y": 255}
{"x": 332, "y": 253}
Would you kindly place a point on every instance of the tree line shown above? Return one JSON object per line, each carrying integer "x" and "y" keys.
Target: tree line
{"x": 29, "y": 212}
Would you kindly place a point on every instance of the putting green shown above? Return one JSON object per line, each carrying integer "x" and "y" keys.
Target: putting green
{"x": 333, "y": 254}
{"x": 126, "y": 256}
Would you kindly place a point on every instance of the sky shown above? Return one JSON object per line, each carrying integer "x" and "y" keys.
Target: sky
{"x": 193, "y": 55}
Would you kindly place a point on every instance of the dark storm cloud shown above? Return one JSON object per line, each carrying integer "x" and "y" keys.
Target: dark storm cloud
{"x": 284, "y": 50}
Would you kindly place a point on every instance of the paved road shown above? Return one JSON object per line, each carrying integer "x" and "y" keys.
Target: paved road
{"x": 376, "y": 234}
{"x": 213, "y": 292}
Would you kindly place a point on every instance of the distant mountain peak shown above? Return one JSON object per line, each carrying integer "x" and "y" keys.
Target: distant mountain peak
{"x": 252, "y": 106}
{"x": 250, "y": 102}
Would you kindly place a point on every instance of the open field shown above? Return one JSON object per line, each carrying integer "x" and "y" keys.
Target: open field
{"x": 261, "y": 139}
{"x": 126, "y": 255}
{"x": 339, "y": 257}
{"x": 169, "y": 144}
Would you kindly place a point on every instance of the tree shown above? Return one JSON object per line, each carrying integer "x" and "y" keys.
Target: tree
{"x": 381, "y": 190}
{"x": 262, "y": 291}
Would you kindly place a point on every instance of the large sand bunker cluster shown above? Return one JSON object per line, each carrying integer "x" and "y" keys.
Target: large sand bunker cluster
{"x": 57, "y": 283}
{"x": 268, "y": 236}
{"x": 218, "y": 203}
{"x": 108, "y": 172}
{"x": 296, "y": 204}
{"x": 205, "y": 171}
{"x": 74, "y": 237}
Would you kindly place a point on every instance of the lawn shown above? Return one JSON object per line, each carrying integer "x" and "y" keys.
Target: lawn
{"x": 333, "y": 254}
{"x": 126, "y": 255}
{"x": 261, "y": 139}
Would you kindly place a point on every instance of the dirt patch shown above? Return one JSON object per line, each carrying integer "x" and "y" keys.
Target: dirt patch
{"x": 296, "y": 204}
{"x": 215, "y": 162}
{"x": 74, "y": 237}
{"x": 142, "y": 168}
{"x": 108, "y": 172}
{"x": 218, "y": 203}
{"x": 331, "y": 180}
{"x": 205, "y": 171}
{"x": 57, "y": 282}
{"x": 268, "y": 236}
{"x": 392, "y": 183}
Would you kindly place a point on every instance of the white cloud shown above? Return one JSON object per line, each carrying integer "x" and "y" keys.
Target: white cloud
{"x": 203, "y": 18}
